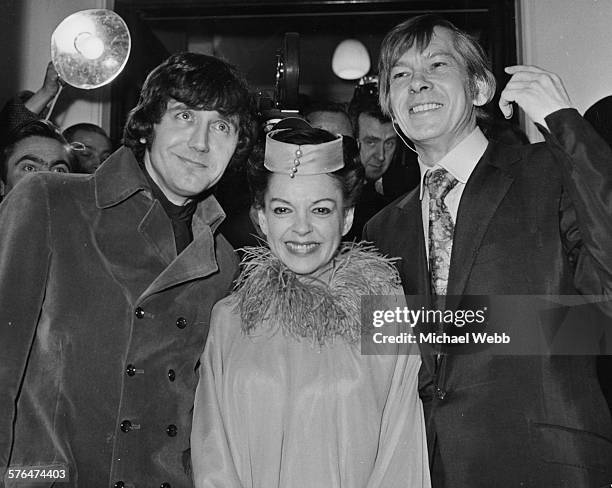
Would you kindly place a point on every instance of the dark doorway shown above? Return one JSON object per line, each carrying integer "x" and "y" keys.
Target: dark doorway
{"x": 248, "y": 33}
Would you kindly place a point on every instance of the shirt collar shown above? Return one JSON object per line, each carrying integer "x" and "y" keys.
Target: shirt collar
{"x": 461, "y": 160}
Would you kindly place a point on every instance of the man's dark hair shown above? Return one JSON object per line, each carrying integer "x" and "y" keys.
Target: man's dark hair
{"x": 83, "y": 126}
{"x": 39, "y": 128}
{"x": 329, "y": 107}
{"x": 324, "y": 106}
{"x": 201, "y": 82}
{"x": 365, "y": 103}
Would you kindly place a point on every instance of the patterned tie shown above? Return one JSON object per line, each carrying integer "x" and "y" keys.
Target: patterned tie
{"x": 441, "y": 228}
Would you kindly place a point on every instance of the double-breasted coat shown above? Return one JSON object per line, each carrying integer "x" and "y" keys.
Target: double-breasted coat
{"x": 102, "y": 325}
{"x": 533, "y": 220}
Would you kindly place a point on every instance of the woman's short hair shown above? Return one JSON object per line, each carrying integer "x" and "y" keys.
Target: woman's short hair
{"x": 201, "y": 82}
{"x": 350, "y": 177}
{"x": 38, "y": 128}
{"x": 418, "y": 32}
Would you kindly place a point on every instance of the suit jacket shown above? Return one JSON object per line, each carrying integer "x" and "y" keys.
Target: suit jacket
{"x": 369, "y": 204}
{"x": 532, "y": 220}
{"x": 102, "y": 325}
{"x": 402, "y": 176}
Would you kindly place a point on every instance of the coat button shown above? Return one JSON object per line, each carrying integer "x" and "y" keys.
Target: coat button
{"x": 130, "y": 370}
{"x": 165, "y": 485}
{"x": 171, "y": 430}
{"x": 126, "y": 426}
{"x": 440, "y": 393}
{"x": 139, "y": 312}
{"x": 181, "y": 322}
{"x": 171, "y": 375}
{"x": 119, "y": 484}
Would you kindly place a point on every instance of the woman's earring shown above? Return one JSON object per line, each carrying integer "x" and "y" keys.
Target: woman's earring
{"x": 142, "y": 140}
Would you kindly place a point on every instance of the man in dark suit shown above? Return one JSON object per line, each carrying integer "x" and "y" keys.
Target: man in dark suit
{"x": 389, "y": 170}
{"x": 490, "y": 219}
{"x": 377, "y": 142}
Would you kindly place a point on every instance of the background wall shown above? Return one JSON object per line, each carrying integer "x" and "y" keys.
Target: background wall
{"x": 572, "y": 38}
{"x": 32, "y": 22}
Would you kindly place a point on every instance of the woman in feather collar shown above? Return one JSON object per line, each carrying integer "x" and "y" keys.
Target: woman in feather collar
{"x": 285, "y": 397}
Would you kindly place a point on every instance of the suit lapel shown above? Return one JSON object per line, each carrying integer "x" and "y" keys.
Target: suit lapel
{"x": 409, "y": 239}
{"x": 409, "y": 244}
{"x": 481, "y": 197}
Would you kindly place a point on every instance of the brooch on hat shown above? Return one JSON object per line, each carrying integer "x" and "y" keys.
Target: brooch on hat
{"x": 305, "y": 159}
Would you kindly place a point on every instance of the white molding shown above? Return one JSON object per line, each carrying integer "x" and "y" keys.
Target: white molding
{"x": 526, "y": 39}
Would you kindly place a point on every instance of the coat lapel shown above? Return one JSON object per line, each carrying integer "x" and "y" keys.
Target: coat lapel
{"x": 198, "y": 259}
{"x": 120, "y": 179}
{"x": 481, "y": 197}
{"x": 161, "y": 240}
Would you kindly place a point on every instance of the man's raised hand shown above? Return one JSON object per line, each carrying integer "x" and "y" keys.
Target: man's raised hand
{"x": 538, "y": 92}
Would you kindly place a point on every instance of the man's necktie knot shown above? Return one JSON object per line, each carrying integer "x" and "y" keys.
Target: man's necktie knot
{"x": 439, "y": 182}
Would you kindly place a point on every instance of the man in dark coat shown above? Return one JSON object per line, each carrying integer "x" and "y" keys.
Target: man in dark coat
{"x": 522, "y": 220}
{"x": 106, "y": 286}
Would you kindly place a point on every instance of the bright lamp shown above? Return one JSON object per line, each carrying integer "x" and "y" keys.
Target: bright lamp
{"x": 351, "y": 60}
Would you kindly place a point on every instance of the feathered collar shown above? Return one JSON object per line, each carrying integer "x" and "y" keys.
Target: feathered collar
{"x": 269, "y": 293}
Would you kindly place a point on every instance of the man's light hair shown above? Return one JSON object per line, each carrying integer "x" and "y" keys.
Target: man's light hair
{"x": 418, "y": 32}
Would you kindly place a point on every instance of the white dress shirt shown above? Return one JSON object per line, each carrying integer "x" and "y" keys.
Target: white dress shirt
{"x": 459, "y": 162}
